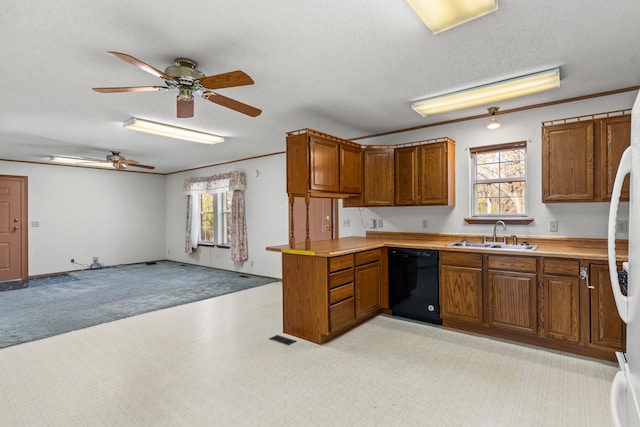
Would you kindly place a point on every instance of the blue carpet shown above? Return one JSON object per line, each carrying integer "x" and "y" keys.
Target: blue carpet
{"x": 92, "y": 297}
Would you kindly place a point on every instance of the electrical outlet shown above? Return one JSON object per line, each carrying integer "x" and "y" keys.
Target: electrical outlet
{"x": 346, "y": 223}
{"x": 622, "y": 227}
{"x": 95, "y": 259}
{"x": 425, "y": 223}
{"x": 553, "y": 225}
{"x": 380, "y": 223}
{"x": 73, "y": 261}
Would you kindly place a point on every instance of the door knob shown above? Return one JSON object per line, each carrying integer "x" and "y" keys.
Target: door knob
{"x": 16, "y": 228}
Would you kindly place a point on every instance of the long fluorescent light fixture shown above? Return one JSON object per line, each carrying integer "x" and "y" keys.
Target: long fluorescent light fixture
{"x": 171, "y": 131}
{"x": 71, "y": 160}
{"x": 441, "y": 15}
{"x": 490, "y": 93}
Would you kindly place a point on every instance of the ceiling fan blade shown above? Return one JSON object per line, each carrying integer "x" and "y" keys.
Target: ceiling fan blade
{"x": 231, "y": 79}
{"x": 126, "y": 162}
{"x": 184, "y": 108}
{"x": 130, "y": 89}
{"x": 138, "y": 165}
{"x": 144, "y": 67}
{"x": 231, "y": 103}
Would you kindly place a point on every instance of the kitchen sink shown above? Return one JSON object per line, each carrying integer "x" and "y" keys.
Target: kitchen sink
{"x": 495, "y": 245}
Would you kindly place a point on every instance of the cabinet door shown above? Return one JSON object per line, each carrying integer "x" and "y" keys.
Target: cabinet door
{"x": 350, "y": 169}
{"x": 513, "y": 302}
{"x": 561, "y": 308}
{"x": 606, "y": 325}
{"x": 378, "y": 177}
{"x": 406, "y": 176}
{"x": 323, "y": 165}
{"x": 568, "y": 162}
{"x": 435, "y": 174}
{"x": 368, "y": 281}
{"x": 615, "y": 137}
{"x": 461, "y": 294}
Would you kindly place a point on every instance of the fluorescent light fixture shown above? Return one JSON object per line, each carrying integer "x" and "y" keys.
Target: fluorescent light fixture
{"x": 441, "y": 15}
{"x": 171, "y": 131}
{"x": 82, "y": 161}
{"x": 489, "y": 94}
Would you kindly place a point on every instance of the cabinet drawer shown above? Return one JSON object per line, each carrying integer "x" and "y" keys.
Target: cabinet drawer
{"x": 515, "y": 263}
{"x": 340, "y": 263}
{"x": 342, "y": 314}
{"x": 340, "y": 278}
{"x": 563, "y": 267}
{"x": 461, "y": 259}
{"x": 367, "y": 257}
{"x": 341, "y": 293}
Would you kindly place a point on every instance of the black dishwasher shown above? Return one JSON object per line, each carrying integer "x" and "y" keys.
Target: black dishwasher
{"x": 414, "y": 284}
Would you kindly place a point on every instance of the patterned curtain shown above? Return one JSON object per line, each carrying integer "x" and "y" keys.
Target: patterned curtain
{"x": 236, "y": 182}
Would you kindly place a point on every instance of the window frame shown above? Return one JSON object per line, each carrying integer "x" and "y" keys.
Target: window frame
{"x": 473, "y": 152}
{"x": 220, "y": 225}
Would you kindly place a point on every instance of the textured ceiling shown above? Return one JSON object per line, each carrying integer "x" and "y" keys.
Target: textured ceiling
{"x": 348, "y": 68}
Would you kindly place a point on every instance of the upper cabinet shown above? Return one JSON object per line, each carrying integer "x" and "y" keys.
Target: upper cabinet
{"x": 322, "y": 165}
{"x": 425, "y": 174}
{"x": 378, "y": 177}
{"x": 580, "y": 158}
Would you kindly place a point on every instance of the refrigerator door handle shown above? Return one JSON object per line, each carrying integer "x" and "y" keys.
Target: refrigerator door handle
{"x": 617, "y": 399}
{"x": 623, "y": 170}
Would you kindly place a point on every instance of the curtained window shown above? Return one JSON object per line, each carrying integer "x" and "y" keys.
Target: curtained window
{"x": 234, "y": 219}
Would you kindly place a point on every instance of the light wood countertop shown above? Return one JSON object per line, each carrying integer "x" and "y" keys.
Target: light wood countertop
{"x": 582, "y": 248}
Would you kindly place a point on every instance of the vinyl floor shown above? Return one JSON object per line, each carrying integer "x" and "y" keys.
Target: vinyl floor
{"x": 211, "y": 363}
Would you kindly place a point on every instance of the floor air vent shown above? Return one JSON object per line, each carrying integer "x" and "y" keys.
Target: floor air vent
{"x": 283, "y": 340}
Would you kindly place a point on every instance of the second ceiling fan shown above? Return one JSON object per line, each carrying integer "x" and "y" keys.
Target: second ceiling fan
{"x": 189, "y": 81}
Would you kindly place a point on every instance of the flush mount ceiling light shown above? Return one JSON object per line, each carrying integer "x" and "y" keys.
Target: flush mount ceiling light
{"x": 171, "y": 131}
{"x": 441, "y": 15}
{"x": 490, "y": 93}
{"x": 493, "y": 123}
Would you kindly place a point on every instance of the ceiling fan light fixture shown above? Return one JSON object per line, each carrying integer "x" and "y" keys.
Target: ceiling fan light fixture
{"x": 441, "y": 15}
{"x": 493, "y": 123}
{"x": 162, "y": 129}
{"x": 489, "y": 93}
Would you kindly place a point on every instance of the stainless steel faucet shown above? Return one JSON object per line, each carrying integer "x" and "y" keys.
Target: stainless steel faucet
{"x": 504, "y": 228}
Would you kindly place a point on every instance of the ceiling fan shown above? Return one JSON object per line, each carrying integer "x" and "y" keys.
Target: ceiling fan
{"x": 187, "y": 80}
{"x": 117, "y": 160}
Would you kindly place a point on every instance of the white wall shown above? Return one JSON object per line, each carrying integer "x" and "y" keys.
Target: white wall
{"x": 117, "y": 216}
{"x": 574, "y": 219}
{"x": 266, "y": 209}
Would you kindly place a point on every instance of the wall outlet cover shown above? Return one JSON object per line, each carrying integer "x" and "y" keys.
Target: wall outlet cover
{"x": 553, "y": 225}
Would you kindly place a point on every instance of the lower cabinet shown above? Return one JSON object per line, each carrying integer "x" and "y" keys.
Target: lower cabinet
{"x": 540, "y": 301}
{"x": 323, "y": 297}
{"x": 606, "y": 330}
{"x": 512, "y": 294}
{"x": 461, "y": 287}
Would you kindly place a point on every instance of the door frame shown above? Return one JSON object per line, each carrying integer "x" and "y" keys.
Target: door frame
{"x": 24, "y": 220}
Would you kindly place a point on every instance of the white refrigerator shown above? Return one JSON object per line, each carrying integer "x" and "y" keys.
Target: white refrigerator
{"x": 625, "y": 390}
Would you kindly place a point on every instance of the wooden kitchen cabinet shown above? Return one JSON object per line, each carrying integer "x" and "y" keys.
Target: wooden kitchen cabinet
{"x": 425, "y": 174}
{"x": 378, "y": 177}
{"x": 324, "y": 297}
{"x": 461, "y": 287}
{"x": 322, "y": 165}
{"x": 368, "y": 282}
{"x": 512, "y": 293}
{"x": 561, "y": 306}
{"x": 406, "y": 176}
{"x": 606, "y": 329}
{"x": 615, "y": 137}
{"x": 580, "y": 158}
{"x": 437, "y": 174}
{"x": 350, "y": 169}
{"x": 568, "y": 162}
